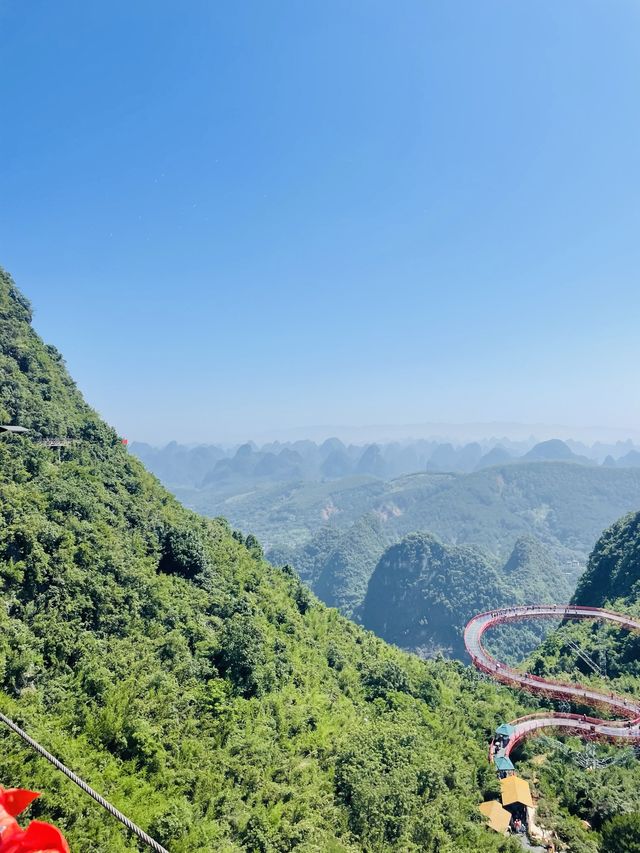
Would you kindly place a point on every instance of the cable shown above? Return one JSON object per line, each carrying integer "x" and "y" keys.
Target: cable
{"x": 142, "y": 835}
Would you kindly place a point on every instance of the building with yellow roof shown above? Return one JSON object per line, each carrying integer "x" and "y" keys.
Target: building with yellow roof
{"x": 497, "y": 817}
{"x": 515, "y": 791}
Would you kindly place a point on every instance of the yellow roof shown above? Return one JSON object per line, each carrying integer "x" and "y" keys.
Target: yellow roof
{"x": 515, "y": 790}
{"x": 498, "y": 817}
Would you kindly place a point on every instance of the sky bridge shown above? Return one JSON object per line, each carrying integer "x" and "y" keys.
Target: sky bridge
{"x": 627, "y": 729}
{"x": 509, "y": 735}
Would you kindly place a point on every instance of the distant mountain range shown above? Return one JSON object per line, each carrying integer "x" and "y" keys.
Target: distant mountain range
{"x": 212, "y": 466}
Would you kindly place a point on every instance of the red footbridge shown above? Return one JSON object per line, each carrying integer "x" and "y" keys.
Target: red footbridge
{"x": 626, "y": 729}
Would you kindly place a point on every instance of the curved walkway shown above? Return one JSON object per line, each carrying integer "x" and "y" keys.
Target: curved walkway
{"x": 627, "y": 729}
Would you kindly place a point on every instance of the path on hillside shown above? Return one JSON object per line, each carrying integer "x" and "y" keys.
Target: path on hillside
{"x": 627, "y": 729}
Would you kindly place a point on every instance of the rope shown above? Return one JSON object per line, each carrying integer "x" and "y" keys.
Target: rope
{"x": 142, "y": 835}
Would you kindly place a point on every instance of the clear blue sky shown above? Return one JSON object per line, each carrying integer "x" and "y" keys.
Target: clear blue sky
{"x": 234, "y": 217}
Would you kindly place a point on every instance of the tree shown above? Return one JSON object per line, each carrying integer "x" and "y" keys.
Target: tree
{"x": 621, "y": 834}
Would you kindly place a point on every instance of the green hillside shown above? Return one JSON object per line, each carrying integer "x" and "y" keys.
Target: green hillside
{"x": 345, "y": 574}
{"x": 207, "y": 694}
{"x": 337, "y": 563}
{"x": 610, "y": 788}
{"x": 562, "y": 505}
{"x": 423, "y": 592}
{"x": 613, "y": 573}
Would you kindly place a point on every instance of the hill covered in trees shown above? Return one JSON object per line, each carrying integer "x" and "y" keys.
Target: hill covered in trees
{"x": 423, "y": 592}
{"x": 613, "y": 573}
{"x": 206, "y": 693}
{"x": 564, "y": 505}
{"x": 606, "y": 796}
{"x": 337, "y": 563}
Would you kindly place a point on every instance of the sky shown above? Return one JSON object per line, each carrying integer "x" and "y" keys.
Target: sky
{"x": 240, "y": 218}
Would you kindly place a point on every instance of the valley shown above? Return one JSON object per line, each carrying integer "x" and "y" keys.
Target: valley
{"x": 518, "y": 532}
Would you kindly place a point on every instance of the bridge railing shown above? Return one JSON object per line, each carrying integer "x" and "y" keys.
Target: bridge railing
{"x": 535, "y": 683}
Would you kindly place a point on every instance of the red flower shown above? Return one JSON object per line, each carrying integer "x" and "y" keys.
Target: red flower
{"x": 38, "y": 837}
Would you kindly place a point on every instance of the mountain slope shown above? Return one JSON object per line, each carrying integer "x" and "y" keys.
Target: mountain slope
{"x": 209, "y": 695}
{"x": 533, "y": 575}
{"x": 613, "y": 572}
{"x": 423, "y": 592}
{"x": 346, "y": 571}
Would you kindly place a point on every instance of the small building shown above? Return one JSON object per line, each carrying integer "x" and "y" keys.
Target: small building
{"x": 497, "y": 817}
{"x": 505, "y": 732}
{"x": 504, "y": 766}
{"x": 515, "y": 791}
{"x": 12, "y": 429}
{"x": 517, "y": 799}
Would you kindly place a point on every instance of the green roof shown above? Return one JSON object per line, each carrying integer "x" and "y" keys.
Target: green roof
{"x": 505, "y": 729}
{"x": 504, "y": 763}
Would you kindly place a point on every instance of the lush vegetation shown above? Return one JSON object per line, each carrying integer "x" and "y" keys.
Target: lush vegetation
{"x": 206, "y": 693}
{"x": 563, "y": 504}
{"x": 335, "y": 532}
{"x": 621, "y": 834}
{"x": 423, "y": 592}
{"x": 607, "y": 793}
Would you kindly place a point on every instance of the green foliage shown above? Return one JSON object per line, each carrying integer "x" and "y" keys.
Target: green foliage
{"x": 184, "y": 552}
{"x": 385, "y": 677}
{"x": 614, "y": 567}
{"x": 242, "y": 655}
{"x": 208, "y": 694}
{"x": 621, "y": 834}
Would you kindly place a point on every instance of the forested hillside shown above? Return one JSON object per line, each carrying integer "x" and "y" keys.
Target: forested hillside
{"x": 206, "y": 693}
{"x": 564, "y": 504}
{"x": 614, "y": 568}
{"x": 423, "y": 592}
{"x": 337, "y": 563}
{"x": 606, "y": 795}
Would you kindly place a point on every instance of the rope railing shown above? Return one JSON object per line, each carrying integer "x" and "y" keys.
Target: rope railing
{"x": 131, "y": 826}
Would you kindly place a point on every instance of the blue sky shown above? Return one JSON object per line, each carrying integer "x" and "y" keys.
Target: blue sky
{"x": 235, "y": 218}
